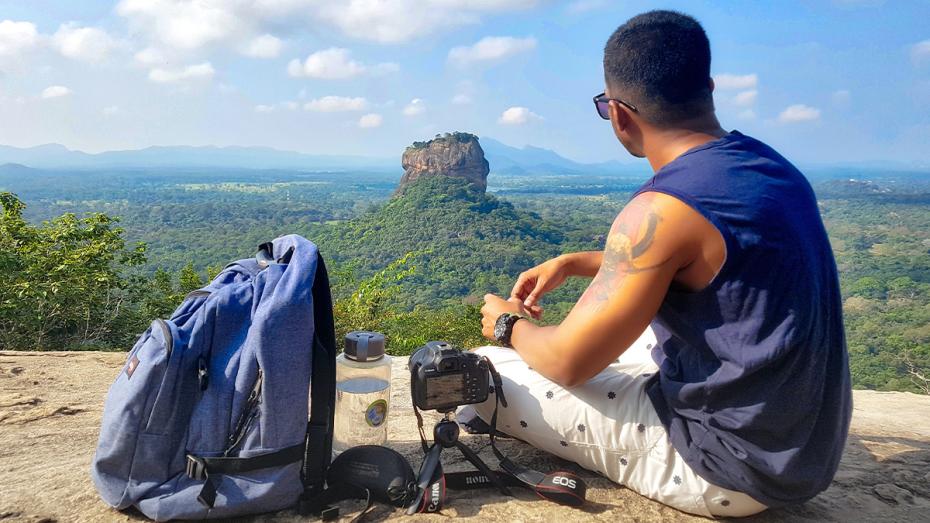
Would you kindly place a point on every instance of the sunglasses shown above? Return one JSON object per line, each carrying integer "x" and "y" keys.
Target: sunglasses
{"x": 602, "y": 104}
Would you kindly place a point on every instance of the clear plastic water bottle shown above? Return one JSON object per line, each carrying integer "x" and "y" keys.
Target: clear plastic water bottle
{"x": 363, "y": 392}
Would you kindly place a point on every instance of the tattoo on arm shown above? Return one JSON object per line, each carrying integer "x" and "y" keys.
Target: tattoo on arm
{"x": 630, "y": 237}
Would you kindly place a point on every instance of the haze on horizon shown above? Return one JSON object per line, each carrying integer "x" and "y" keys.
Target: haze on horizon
{"x": 840, "y": 81}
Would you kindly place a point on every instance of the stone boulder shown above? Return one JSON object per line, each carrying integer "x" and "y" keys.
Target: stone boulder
{"x": 458, "y": 155}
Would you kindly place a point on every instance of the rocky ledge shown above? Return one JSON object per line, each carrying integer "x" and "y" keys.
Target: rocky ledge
{"x": 51, "y": 403}
{"x": 458, "y": 155}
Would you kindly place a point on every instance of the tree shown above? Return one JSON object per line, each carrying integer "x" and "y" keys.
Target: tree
{"x": 918, "y": 374}
{"x": 868, "y": 287}
{"x": 60, "y": 282}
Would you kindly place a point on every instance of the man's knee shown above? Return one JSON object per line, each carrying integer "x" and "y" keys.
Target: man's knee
{"x": 488, "y": 350}
{"x": 500, "y": 357}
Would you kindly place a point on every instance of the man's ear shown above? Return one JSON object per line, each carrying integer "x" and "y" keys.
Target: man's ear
{"x": 619, "y": 117}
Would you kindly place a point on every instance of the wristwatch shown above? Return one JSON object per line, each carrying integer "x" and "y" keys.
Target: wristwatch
{"x": 503, "y": 328}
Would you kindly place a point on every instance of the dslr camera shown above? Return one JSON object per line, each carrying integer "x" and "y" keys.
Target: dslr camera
{"x": 443, "y": 377}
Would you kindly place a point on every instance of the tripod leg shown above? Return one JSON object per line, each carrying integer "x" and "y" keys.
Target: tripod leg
{"x": 427, "y": 470}
{"x": 480, "y": 465}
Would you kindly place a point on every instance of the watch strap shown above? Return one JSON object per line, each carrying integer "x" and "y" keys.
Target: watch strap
{"x": 509, "y": 321}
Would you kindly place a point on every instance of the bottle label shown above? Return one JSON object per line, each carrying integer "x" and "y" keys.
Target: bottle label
{"x": 376, "y": 413}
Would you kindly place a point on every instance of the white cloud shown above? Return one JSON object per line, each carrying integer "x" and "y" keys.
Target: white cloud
{"x": 390, "y": 22}
{"x": 745, "y": 98}
{"x": 183, "y": 24}
{"x": 264, "y": 46}
{"x": 920, "y": 52}
{"x": 174, "y": 32}
{"x": 518, "y": 116}
{"x": 202, "y": 71}
{"x": 110, "y": 110}
{"x": 841, "y": 98}
{"x": 269, "y": 108}
{"x": 370, "y": 121}
{"x": 799, "y": 113}
{"x": 461, "y": 99}
{"x": 403, "y": 20}
{"x": 747, "y": 114}
{"x": 150, "y": 56}
{"x": 55, "y": 91}
{"x": 491, "y": 48}
{"x": 88, "y": 44}
{"x": 735, "y": 81}
{"x": 335, "y": 63}
{"x": 16, "y": 37}
{"x": 330, "y": 104}
{"x": 192, "y": 25}
{"x": 415, "y": 107}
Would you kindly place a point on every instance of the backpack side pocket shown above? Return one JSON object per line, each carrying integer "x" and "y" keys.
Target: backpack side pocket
{"x": 126, "y": 412}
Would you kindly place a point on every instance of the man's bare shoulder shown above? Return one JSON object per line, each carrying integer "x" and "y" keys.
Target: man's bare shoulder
{"x": 658, "y": 228}
{"x": 686, "y": 238}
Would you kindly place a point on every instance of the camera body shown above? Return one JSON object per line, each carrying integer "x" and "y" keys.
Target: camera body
{"x": 443, "y": 377}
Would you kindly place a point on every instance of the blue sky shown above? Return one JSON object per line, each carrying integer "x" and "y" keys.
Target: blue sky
{"x": 840, "y": 81}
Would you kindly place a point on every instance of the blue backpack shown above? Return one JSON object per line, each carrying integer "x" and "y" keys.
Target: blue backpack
{"x": 209, "y": 416}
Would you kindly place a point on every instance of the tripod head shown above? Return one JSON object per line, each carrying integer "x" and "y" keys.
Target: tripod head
{"x": 446, "y": 432}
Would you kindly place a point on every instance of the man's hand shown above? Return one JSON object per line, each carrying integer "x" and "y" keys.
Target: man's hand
{"x": 533, "y": 283}
{"x": 493, "y": 307}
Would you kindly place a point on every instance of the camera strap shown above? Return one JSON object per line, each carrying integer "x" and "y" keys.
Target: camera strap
{"x": 561, "y": 486}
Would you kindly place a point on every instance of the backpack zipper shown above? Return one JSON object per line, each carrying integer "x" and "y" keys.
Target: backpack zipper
{"x": 169, "y": 339}
{"x": 197, "y": 294}
{"x": 248, "y": 415}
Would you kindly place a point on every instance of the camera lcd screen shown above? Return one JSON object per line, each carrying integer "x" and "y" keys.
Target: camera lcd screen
{"x": 442, "y": 389}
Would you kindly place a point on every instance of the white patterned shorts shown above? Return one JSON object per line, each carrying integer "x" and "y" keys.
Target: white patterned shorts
{"x": 607, "y": 425}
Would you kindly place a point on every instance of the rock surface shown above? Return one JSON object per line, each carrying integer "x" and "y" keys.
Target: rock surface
{"x": 51, "y": 402}
{"x": 458, "y": 155}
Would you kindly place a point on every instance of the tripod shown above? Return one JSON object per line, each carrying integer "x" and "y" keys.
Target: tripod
{"x": 446, "y": 435}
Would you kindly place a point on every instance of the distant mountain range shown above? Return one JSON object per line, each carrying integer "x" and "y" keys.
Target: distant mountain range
{"x": 503, "y": 158}
{"x": 56, "y": 156}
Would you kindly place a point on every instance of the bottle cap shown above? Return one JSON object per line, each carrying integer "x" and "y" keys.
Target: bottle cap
{"x": 364, "y": 346}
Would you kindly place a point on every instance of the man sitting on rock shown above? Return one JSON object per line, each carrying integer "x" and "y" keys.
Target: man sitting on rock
{"x": 738, "y": 398}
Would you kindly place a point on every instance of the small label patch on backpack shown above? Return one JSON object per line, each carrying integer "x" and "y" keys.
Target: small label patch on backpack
{"x": 133, "y": 363}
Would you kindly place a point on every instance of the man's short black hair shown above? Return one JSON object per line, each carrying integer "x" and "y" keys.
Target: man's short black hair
{"x": 660, "y": 60}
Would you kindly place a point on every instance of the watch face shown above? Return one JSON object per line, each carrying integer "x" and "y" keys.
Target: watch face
{"x": 500, "y": 328}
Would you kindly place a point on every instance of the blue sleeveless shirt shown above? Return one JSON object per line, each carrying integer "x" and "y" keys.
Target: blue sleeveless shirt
{"x": 754, "y": 385}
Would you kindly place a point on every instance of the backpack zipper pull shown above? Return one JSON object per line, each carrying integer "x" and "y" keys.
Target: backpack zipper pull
{"x": 248, "y": 415}
{"x": 202, "y": 374}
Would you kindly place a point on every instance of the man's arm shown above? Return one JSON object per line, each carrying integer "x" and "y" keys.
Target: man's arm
{"x": 534, "y": 283}
{"x": 585, "y": 263}
{"x": 649, "y": 242}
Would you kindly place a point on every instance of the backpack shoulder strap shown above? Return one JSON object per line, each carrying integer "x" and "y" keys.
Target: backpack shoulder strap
{"x": 322, "y": 385}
